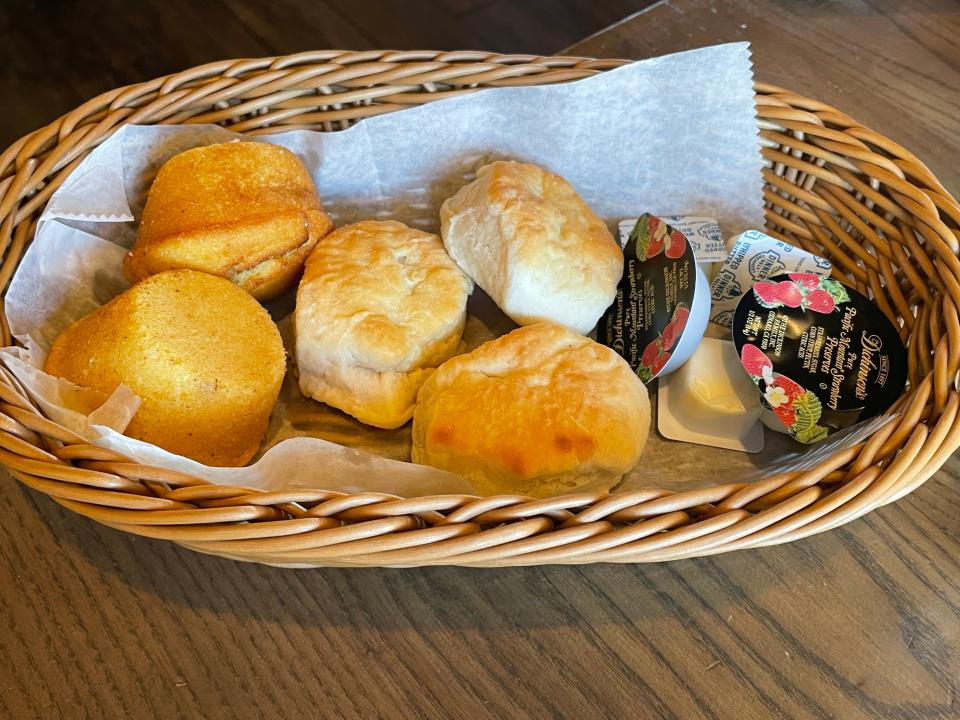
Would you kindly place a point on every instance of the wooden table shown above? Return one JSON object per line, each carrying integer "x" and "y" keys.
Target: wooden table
{"x": 862, "y": 622}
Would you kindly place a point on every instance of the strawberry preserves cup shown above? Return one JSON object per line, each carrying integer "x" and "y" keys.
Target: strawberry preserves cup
{"x": 822, "y": 355}
{"x": 663, "y": 302}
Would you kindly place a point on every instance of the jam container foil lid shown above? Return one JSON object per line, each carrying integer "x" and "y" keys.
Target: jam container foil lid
{"x": 662, "y": 304}
{"x": 823, "y": 356}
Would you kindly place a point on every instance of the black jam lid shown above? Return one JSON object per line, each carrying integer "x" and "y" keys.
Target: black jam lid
{"x": 650, "y": 311}
{"x": 823, "y": 355}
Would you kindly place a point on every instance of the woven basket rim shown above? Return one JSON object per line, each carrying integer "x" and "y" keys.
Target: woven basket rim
{"x": 832, "y": 185}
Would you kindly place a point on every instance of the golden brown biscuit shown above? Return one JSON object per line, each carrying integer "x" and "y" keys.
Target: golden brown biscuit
{"x": 204, "y": 357}
{"x": 246, "y": 211}
{"x": 380, "y": 305}
{"x": 528, "y": 239}
{"x": 539, "y": 411}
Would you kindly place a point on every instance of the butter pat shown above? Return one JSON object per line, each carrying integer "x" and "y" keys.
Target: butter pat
{"x": 711, "y": 401}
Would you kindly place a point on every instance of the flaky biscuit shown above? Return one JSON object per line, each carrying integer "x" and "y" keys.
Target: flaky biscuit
{"x": 539, "y": 411}
{"x": 380, "y": 305}
{"x": 530, "y": 241}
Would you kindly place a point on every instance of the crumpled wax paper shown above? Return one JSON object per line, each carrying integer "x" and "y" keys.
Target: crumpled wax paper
{"x": 675, "y": 134}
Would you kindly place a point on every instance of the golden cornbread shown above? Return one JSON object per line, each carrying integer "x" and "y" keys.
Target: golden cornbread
{"x": 539, "y": 411}
{"x": 380, "y": 305}
{"x": 204, "y": 357}
{"x": 246, "y": 211}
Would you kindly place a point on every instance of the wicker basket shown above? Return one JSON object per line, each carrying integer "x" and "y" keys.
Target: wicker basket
{"x": 832, "y": 186}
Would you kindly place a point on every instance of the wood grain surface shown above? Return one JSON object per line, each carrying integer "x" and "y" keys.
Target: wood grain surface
{"x": 861, "y": 622}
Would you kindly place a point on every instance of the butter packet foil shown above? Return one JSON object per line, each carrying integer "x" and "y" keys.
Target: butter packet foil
{"x": 755, "y": 256}
{"x": 703, "y": 234}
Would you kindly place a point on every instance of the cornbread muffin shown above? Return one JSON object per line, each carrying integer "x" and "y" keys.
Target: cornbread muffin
{"x": 246, "y": 211}
{"x": 539, "y": 411}
{"x": 379, "y": 306}
{"x": 526, "y": 237}
{"x": 204, "y": 357}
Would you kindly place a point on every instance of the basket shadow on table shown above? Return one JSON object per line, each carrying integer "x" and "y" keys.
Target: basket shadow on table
{"x": 148, "y": 571}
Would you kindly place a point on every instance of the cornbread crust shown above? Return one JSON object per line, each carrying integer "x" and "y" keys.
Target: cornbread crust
{"x": 245, "y": 211}
{"x": 204, "y": 357}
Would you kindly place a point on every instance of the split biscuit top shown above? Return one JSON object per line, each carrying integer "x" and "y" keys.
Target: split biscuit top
{"x": 539, "y": 411}
{"x": 380, "y": 305}
{"x": 204, "y": 357}
{"x": 530, "y": 241}
{"x": 246, "y": 211}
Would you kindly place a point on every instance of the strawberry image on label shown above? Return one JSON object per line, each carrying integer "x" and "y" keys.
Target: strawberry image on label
{"x": 654, "y": 248}
{"x": 755, "y": 361}
{"x": 651, "y": 352}
{"x": 670, "y": 335}
{"x": 788, "y": 293}
{"x": 778, "y": 294}
{"x": 766, "y": 292}
{"x": 680, "y": 316}
{"x": 798, "y": 409}
{"x": 787, "y": 415}
{"x": 673, "y": 330}
{"x": 820, "y": 301}
{"x": 810, "y": 281}
{"x": 648, "y": 237}
{"x": 802, "y": 290}
{"x": 677, "y": 246}
{"x": 790, "y": 389}
{"x": 659, "y": 363}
